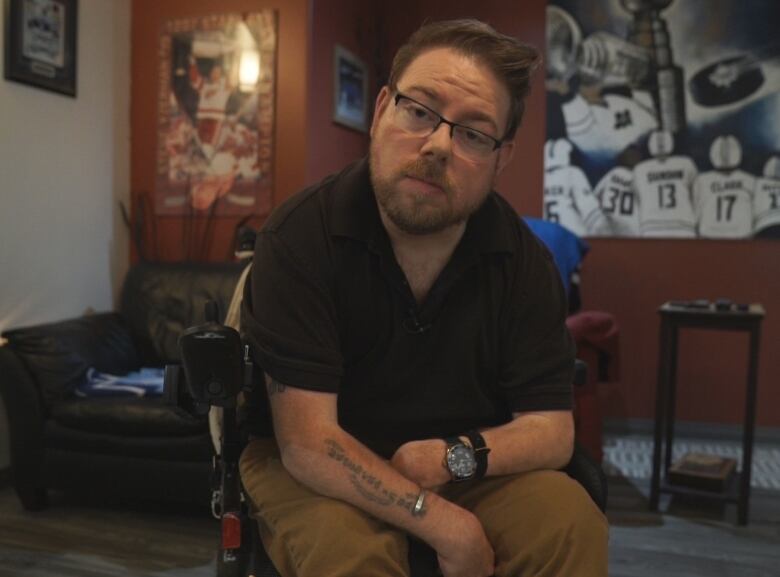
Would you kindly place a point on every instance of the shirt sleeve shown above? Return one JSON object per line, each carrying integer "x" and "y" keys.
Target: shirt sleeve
{"x": 289, "y": 319}
{"x": 537, "y": 350}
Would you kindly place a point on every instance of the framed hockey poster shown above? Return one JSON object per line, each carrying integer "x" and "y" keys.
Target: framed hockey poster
{"x": 659, "y": 126}
{"x": 216, "y": 109}
{"x": 40, "y": 47}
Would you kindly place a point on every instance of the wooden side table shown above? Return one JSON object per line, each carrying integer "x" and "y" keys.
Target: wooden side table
{"x": 673, "y": 318}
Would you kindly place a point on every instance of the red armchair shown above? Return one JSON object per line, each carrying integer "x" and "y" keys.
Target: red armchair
{"x": 597, "y": 337}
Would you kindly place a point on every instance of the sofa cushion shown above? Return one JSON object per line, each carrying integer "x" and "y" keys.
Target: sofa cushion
{"x": 61, "y": 440}
{"x": 59, "y": 354}
{"x": 139, "y": 417}
{"x": 161, "y": 300}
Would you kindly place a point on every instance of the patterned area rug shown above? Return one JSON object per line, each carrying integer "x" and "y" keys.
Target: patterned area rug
{"x": 632, "y": 457}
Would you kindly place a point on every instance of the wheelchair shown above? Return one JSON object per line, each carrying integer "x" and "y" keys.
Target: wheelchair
{"x": 215, "y": 369}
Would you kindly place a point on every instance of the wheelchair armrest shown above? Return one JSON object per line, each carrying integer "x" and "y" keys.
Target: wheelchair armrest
{"x": 589, "y": 474}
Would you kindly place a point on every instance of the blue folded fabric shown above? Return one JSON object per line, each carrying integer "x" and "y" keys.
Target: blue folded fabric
{"x": 567, "y": 248}
{"x": 145, "y": 382}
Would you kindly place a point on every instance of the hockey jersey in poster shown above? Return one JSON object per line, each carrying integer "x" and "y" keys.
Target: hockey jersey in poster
{"x": 724, "y": 204}
{"x": 766, "y": 203}
{"x": 569, "y": 201}
{"x": 663, "y": 187}
{"x": 619, "y": 201}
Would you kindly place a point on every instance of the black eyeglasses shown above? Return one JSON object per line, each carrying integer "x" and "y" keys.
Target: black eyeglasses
{"x": 419, "y": 120}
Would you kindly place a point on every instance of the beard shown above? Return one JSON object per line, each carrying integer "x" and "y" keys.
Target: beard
{"x": 421, "y": 214}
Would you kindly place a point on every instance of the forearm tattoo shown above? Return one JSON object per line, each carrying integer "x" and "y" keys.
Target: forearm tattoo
{"x": 368, "y": 486}
{"x": 274, "y": 387}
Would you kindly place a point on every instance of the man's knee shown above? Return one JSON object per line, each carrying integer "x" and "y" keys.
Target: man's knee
{"x": 572, "y": 531}
{"x": 567, "y": 505}
{"x": 544, "y": 524}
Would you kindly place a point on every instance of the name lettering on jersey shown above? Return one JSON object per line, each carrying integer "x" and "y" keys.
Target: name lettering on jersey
{"x": 665, "y": 175}
{"x": 727, "y": 185}
{"x": 624, "y": 182}
{"x": 554, "y": 190}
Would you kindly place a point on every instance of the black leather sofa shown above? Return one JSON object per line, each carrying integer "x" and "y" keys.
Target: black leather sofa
{"x": 140, "y": 447}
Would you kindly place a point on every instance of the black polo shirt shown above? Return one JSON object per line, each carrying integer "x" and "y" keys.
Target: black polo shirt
{"x": 328, "y": 308}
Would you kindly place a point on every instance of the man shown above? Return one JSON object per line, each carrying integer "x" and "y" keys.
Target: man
{"x": 412, "y": 333}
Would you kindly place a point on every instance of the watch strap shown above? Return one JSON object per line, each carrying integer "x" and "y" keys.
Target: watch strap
{"x": 481, "y": 451}
{"x": 452, "y": 440}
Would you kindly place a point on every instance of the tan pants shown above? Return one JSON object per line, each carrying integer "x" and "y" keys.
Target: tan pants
{"x": 540, "y": 524}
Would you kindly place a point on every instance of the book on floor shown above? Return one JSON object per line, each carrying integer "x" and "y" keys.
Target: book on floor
{"x": 703, "y": 471}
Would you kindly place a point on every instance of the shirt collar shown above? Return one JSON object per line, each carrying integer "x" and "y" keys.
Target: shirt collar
{"x": 355, "y": 215}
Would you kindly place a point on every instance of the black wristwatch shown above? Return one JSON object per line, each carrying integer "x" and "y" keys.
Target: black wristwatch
{"x": 466, "y": 462}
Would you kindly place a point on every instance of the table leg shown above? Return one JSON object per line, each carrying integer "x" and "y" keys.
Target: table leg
{"x": 660, "y": 405}
{"x": 743, "y": 505}
{"x": 671, "y": 396}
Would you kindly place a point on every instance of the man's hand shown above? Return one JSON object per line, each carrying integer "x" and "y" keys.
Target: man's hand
{"x": 422, "y": 462}
{"x": 469, "y": 554}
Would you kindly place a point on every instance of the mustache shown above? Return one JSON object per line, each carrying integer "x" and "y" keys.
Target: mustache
{"x": 431, "y": 172}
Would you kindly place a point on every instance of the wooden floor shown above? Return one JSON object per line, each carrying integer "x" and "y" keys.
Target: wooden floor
{"x": 78, "y": 538}
{"x": 691, "y": 538}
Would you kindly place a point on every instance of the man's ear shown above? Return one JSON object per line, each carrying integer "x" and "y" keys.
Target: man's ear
{"x": 505, "y": 154}
{"x": 382, "y": 100}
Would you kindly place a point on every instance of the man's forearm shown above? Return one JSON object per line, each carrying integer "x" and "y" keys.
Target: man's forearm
{"x": 530, "y": 442}
{"x": 335, "y": 464}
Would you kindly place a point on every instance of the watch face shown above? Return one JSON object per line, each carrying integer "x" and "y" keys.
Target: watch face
{"x": 461, "y": 462}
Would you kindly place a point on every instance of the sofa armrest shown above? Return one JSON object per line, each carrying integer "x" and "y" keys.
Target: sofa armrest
{"x": 25, "y": 412}
{"x": 57, "y": 355}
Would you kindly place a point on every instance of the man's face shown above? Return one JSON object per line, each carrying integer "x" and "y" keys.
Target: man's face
{"x": 422, "y": 185}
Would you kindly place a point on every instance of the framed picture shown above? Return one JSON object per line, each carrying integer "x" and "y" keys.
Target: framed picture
{"x": 350, "y": 90}
{"x": 215, "y": 115}
{"x": 40, "y": 46}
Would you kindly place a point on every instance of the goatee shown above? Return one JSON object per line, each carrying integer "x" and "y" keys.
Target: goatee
{"x": 418, "y": 214}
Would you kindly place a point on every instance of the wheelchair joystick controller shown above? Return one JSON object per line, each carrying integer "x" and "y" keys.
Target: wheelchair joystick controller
{"x": 212, "y": 357}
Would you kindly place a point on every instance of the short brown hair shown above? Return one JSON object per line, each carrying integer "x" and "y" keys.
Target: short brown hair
{"x": 510, "y": 60}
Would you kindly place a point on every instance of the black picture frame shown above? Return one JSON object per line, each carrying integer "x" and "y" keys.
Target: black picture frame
{"x": 40, "y": 43}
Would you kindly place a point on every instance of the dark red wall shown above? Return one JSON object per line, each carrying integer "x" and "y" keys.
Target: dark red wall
{"x": 352, "y": 24}
{"x": 631, "y": 278}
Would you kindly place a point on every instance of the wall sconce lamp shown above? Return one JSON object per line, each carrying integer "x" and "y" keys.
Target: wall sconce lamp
{"x": 248, "y": 69}
{"x": 249, "y": 61}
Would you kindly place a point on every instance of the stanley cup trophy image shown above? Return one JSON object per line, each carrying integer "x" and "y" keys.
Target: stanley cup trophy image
{"x": 642, "y": 61}
{"x": 649, "y": 31}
